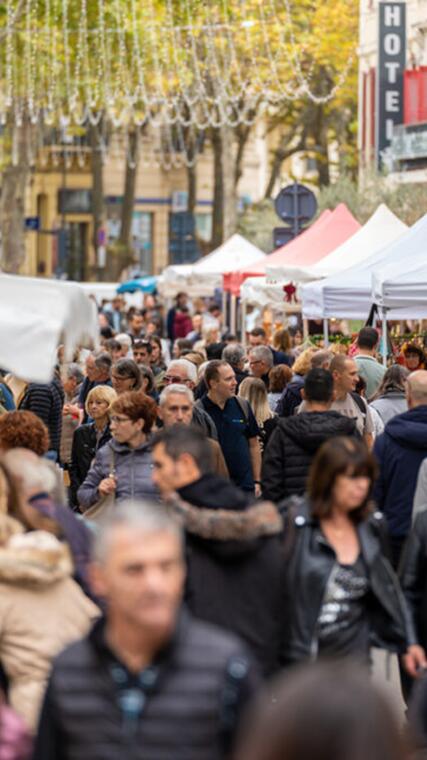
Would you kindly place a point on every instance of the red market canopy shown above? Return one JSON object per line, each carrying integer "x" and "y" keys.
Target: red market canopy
{"x": 331, "y": 229}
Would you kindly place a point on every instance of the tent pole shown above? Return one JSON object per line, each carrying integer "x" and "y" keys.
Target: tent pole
{"x": 305, "y": 328}
{"x": 326, "y": 333}
{"x": 233, "y": 314}
{"x": 384, "y": 335}
{"x": 224, "y": 307}
{"x": 243, "y": 323}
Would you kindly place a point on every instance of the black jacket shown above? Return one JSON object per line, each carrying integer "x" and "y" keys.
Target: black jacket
{"x": 46, "y": 401}
{"x": 235, "y": 564}
{"x": 309, "y": 563}
{"x": 291, "y": 397}
{"x": 292, "y": 446}
{"x": 83, "y": 452}
{"x": 413, "y": 576}
{"x": 185, "y": 706}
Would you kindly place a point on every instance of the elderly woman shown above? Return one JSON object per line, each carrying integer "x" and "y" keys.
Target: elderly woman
{"x": 90, "y": 437}
{"x": 122, "y": 468}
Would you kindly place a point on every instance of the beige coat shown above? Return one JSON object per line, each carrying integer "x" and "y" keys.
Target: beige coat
{"x": 42, "y": 610}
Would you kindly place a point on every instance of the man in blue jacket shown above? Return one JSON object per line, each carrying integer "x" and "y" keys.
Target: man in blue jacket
{"x": 400, "y": 451}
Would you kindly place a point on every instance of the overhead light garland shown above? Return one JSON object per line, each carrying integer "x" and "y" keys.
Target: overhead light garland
{"x": 69, "y": 62}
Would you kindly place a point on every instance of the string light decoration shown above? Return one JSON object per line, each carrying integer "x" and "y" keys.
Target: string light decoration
{"x": 165, "y": 68}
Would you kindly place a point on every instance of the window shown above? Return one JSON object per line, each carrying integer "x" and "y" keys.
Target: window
{"x": 204, "y": 227}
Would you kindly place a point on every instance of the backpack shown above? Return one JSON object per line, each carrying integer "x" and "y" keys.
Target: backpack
{"x": 358, "y": 400}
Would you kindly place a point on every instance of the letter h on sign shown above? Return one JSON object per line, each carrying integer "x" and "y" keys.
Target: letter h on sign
{"x": 391, "y": 67}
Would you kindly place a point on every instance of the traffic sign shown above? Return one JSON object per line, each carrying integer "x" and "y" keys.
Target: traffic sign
{"x": 296, "y": 202}
{"x": 32, "y": 223}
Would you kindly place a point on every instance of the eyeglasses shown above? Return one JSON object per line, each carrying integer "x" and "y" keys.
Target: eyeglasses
{"x": 174, "y": 379}
{"x": 120, "y": 420}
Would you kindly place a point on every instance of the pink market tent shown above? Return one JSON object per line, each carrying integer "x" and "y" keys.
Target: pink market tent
{"x": 327, "y": 233}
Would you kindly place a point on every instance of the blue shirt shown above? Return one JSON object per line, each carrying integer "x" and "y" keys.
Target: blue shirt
{"x": 6, "y": 398}
{"x": 234, "y": 431}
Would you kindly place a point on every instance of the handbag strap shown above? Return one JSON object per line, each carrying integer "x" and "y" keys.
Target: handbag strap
{"x": 113, "y": 463}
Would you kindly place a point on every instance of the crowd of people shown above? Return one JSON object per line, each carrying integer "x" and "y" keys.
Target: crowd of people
{"x": 202, "y": 539}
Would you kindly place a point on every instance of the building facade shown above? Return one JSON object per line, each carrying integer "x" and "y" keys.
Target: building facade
{"x": 59, "y": 197}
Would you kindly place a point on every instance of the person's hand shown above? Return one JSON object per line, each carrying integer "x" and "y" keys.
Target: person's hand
{"x": 257, "y": 490}
{"x": 107, "y": 486}
{"x": 414, "y": 661}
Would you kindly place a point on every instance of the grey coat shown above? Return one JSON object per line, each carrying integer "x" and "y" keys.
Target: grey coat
{"x": 389, "y": 405}
{"x": 132, "y": 469}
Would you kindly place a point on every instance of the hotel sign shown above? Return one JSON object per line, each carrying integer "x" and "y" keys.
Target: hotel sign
{"x": 391, "y": 67}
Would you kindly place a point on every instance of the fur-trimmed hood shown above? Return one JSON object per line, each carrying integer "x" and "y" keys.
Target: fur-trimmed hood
{"x": 36, "y": 558}
{"x": 257, "y": 521}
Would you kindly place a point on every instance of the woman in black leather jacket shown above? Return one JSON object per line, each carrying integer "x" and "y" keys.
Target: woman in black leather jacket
{"x": 342, "y": 593}
{"x": 89, "y": 438}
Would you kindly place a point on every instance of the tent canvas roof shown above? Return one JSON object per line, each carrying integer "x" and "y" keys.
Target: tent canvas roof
{"x": 330, "y": 230}
{"x": 382, "y": 228}
{"x": 349, "y": 294}
{"x": 35, "y": 315}
{"x": 205, "y": 275}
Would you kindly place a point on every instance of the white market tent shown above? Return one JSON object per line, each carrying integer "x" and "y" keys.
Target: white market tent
{"x": 393, "y": 290}
{"x": 36, "y": 315}
{"x": 202, "y": 278}
{"x": 382, "y": 228}
{"x": 349, "y": 295}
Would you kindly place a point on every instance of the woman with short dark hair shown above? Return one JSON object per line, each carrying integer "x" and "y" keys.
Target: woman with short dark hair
{"x": 123, "y": 466}
{"x": 343, "y": 595}
{"x": 126, "y": 376}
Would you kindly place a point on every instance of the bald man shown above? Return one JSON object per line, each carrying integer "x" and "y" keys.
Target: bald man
{"x": 400, "y": 451}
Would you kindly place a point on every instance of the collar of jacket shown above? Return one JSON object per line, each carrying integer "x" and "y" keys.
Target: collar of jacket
{"x": 225, "y": 525}
{"x": 366, "y": 529}
{"x": 164, "y": 656}
{"x": 123, "y": 448}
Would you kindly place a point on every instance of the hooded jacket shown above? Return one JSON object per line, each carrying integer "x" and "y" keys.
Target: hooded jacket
{"x": 42, "y": 610}
{"x": 132, "y": 469}
{"x": 291, "y": 397}
{"x": 292, "y": 447}
{"x": 400, "y": 451}
{"x": 234, "y": 564}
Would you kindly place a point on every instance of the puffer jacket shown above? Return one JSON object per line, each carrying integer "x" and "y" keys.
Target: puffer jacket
{"x": 309, "y": 562}
{"x": 42, "y": 610}
{"x": 235, "y": 566}
{"x": 132, "y": 469}
{"x": 191, "y": 699}
{"x": 400, "y": 451}
{"x": 292, "y": 447}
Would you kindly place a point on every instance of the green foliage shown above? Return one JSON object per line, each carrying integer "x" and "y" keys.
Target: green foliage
{"x": 256, "y": 224}
{"x": 407, "y": 201}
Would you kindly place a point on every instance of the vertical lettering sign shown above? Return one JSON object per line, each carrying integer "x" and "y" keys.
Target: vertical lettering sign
{"x": 391, "y": 66}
